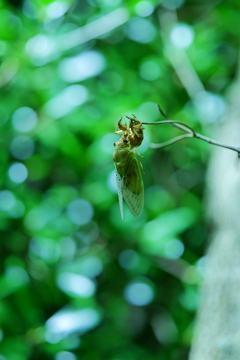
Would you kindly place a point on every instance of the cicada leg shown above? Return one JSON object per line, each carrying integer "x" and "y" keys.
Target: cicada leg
{"x": 141, "y": 166}
{"x": 123, "y": 129}
{"x": 137, "y": 152}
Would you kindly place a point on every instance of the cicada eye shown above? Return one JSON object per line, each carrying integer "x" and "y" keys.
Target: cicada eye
{"x": 125, "y": 141}
{"x": 114, "y": 144}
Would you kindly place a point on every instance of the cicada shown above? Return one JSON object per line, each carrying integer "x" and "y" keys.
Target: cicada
{"x": 128, "y": 167}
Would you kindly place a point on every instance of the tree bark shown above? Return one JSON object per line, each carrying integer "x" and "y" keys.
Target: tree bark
{"x": 217, "y": 331}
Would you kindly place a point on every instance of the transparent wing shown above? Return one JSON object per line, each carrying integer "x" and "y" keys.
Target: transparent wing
{"x": 132, "y": 185}
{"x": 120, "y": 193}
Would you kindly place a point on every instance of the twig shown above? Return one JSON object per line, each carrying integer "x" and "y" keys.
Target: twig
{"x": 170, "y": 142}
{"x": 178, "y": 124}
{"x": 190, "y": 133}
{"x": 213, "y": 142}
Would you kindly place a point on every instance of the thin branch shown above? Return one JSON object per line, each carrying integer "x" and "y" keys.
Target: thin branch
{"x": 165, "y": 117}
{"x": 170, "y": 142}
{"x": 190, "y": 133}
{"x": 216, "y": 143}
{"x": 179, "y": 124}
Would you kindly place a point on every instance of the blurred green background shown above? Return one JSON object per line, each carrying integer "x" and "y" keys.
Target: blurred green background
{"x": 76, "y": 281}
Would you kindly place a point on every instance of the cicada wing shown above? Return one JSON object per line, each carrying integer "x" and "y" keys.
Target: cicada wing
{"x": 132, "y": 185}
{"x": 120, "y": 191}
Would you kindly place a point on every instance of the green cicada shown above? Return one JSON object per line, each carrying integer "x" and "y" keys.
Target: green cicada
{"x": 128, "y": 167}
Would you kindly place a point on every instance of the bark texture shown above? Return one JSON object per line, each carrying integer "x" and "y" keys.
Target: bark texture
{"x": 217, "y": 333}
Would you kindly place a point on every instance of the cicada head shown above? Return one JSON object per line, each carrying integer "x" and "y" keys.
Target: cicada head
{"x": 133, "y": 134}
{"x": 136, "y": 131}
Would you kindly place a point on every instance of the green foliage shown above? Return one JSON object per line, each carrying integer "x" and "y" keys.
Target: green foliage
{"x": 76, "y": 281}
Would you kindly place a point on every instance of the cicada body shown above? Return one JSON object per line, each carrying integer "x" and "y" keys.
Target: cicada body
{"x": 129, "y": 177}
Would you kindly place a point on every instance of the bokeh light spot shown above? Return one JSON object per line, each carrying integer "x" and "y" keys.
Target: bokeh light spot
{"x": 144, "y": 8}
{"x": 80, "y": 212}
{"x": 45, "y": 248}
{"x": 140, "y": 30}
{"x": 201, "y": 265}
{"x": 65, "y": 102}
{"x": 65, "y": 355}
{"x": 149, "y": 111}
{"x": 149, "y": 71}
{"x": 81, "y": 67}
{"x": 76, "y": 285}
{"x": 29, "y": 9}
{"x": 22, "y": 147}
{"x": 128, "y": 259}
{"x": 182, "y": 35}
{"x": 209, "y": 106}
{"x": 112, "y": 181}
{"x": 139, "y": 293}
{"x": 67, "y": 321}
{"x": 56, "y": 9}
{"x": 68, "y": 247}
{"x": 168, "y": 224}
{"x": 24, "y": 119}
{"x": 189, "y": 299}
{"x": 7, "y": 200}
{"x": 107, "y": 142}
{"x": 18, "y": 172}
{"x": 174, "y": 249}
{"x": 36, "y": 219}
{"x": 164, "y": 328}
{"x": 75, "y": 94}
{"x": 16, "y": 276}
{"x": 40, "y": 47}
{"x": 17, "y": 210}
{"x": 91, "y": 266}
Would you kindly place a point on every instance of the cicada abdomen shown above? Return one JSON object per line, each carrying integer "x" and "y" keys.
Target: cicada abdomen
{"x": 129, "y": 177}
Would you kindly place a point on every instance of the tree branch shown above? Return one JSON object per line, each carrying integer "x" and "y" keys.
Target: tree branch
{"x": 190, "y": 133}
{"x": 170, "y": 142}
